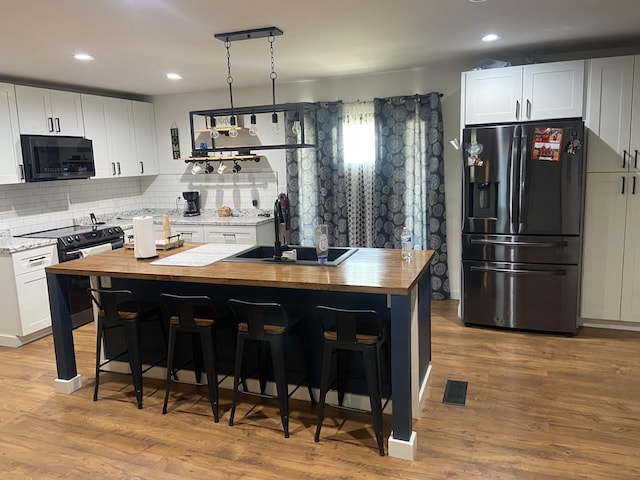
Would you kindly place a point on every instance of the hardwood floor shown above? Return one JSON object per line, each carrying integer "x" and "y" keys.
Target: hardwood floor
{"x": 538, "y": 407}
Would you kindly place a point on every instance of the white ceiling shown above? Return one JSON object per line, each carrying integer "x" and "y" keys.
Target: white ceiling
{"x": 136, "y": 42}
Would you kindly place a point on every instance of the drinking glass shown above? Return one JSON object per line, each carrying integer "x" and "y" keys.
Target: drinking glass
{"x": 322, "y": 243}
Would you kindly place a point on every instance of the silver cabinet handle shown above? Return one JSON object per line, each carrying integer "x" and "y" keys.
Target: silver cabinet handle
{"x": 622, "y": 191}
{"x": 113, "y": 169}
{"x": 635, "y": 159}
{"x": 141, "y": 167}
{"x": 57, "y": 125}
{"x": 119, "y": 171}
{"x": 21, "y": 171}
{"x": 517, "y": 109}
{"x": 37, "y": 259}
{"x": 50, "y": 121}
{"x": 633, "y": 187}
{"x": 624, "y": 159}
{"x": 528, "y": 109}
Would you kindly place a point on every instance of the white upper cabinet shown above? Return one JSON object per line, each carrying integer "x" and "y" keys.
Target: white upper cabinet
{"x": 108, "y": 123}
{"x": 144, "y": 122}
{"x": 42, "y": 111}
{"x": 542, "y": 91}
{"x": 10, "y": 151}
{"x": 609, "y": 113}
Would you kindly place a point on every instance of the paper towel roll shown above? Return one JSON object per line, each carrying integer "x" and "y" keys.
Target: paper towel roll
{"x": 144, "y": 245}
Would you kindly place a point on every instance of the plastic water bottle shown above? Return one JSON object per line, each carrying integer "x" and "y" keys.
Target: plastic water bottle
{"x": 407, "y": 243}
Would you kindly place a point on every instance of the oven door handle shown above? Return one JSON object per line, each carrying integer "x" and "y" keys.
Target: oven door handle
{"x": 518, "y": 271}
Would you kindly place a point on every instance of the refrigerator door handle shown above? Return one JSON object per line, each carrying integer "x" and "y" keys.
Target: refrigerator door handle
{"x": 513, "y": 178}
{"x": 479, "y": 241}
{"x": 518, "y": 271}
{"x": 523, "y": 180}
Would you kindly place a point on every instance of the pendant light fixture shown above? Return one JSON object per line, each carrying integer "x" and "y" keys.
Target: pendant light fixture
{"x": 275, "y": 127}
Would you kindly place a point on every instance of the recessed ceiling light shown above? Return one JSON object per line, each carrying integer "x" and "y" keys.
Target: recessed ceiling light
{"x": 477, "y": 1}
{"x": 83, "y": 56}
{"x": 492, "y": 37}
{"x": 174, "y": 76}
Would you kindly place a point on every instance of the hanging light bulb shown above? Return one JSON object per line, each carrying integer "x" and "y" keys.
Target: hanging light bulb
{"x": 253, "y": 129}
{"x": 221, "y": 168}
{"x": 214, "y": 131}
{"x": 295, "y": 128}
{"x": 233, "y": 130}
{"x": 275, "y": 126}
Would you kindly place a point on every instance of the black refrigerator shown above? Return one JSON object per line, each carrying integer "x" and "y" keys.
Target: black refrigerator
{"x": 523, "y": 197}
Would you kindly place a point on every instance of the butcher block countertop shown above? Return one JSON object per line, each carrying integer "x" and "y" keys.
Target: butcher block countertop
{"x": 369, "y": 270}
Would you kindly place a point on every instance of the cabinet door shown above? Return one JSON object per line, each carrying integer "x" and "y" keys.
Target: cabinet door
{"x": 33, "y": 301}
{"x": 634, "y": 161}
{"x": 10, "y": 154}
{"x": 630, "y": 306}
{"x": 121, "y": 139}
{"x": 603, "y": 245}
{"x": 34, "y": 111}
{"x": 553, "y": 90}
{"x": 66, "y": 108}
{"x": 144, "y": 121}
{"x": 96, "y": 125}
{"x": 493, "y": 96}
{"x": 608, "y": 118}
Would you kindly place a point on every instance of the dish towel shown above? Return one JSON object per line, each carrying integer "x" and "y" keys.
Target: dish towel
{"x": 87, "y": 252}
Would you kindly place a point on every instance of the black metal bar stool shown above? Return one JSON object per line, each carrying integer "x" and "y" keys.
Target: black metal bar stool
{"x": 121, "y": 309}
{"x": 264, "y": 323}
{"x": 353, "y": 331}
{"x": 197, "y": 317}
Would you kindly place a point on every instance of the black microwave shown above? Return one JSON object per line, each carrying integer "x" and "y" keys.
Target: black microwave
{"x": 48, "y": 157}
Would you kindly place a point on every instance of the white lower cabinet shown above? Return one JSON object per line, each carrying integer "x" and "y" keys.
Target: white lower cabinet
{"x": 25, "y": 296}
{"x": 242, "y": 234}
{"x": 611, "y": 250}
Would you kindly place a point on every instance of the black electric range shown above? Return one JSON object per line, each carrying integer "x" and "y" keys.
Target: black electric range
{"x": 76, "y": 237}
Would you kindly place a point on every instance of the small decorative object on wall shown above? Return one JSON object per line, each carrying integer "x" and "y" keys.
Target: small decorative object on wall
{"x": 175, "y": 141}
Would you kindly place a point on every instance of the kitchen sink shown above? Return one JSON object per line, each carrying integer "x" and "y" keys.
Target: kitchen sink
{"x": 306, "y": 256}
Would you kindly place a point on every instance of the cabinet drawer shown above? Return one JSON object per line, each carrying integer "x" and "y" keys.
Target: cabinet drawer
{"x": 34, "y": 259}
{"x": 231, "y": 234}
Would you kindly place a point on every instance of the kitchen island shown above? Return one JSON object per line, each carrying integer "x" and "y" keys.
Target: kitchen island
{"x": 370, "y": 278}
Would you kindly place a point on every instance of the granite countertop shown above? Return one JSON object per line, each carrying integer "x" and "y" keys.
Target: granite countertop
{"x": 16, "y": 244}
{"x": 245, "y": 217}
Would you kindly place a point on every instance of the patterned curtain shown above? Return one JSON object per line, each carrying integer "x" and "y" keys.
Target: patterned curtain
{"x": 409, "y": 182}
{"x": 316, "y": 182}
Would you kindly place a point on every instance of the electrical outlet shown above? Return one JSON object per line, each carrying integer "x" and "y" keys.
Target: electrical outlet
{"x": 254, "y": 203}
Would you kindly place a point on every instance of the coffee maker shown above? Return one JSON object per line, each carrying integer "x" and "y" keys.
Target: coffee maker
{"x": 192, "y": 205}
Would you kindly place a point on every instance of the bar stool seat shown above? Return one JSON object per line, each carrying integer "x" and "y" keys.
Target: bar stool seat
{"x": 196, "y": 316}
{"x": 121, "y": 309}
{"x": 264, "y": 323}
{"x": 353, "y": 331}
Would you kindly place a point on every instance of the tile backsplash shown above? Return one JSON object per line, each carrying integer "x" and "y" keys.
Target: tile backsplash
{"x": 32, "y": 207}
